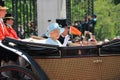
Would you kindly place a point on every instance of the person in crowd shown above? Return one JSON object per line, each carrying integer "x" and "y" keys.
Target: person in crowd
{"x": 53, "y": 34}
{"x": 77, "y": 41}
{"x": 94, "y": 21}
{"x": 3, "y": 29}
{"x": 64, "y": 37}
{"x": 87, "y": 34}
{"x": 106, "y": 40}
{"x": 9, "y": 58}
{"x": 92, "y": 40}
{"x": 9, "y": 20}
{"x": 84, "y": 24}
{"x": 20, "y": 32}
{"x": 90, "y": 24}
{"x": 77, "y": 24}
{"x": 82, "y": 41}
{"x": 33, "y": 30}
{"x": 88, "y": 27}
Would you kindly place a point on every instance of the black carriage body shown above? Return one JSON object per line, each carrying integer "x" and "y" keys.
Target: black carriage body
{"x": 81, "y": 62}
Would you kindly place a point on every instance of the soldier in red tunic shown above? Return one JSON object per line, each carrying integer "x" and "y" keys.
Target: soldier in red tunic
{"x": 9, "y": 20}
{"x": 3, "y": 30}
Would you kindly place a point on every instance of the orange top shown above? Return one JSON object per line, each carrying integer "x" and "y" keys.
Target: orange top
{"x": 75, "y": 31}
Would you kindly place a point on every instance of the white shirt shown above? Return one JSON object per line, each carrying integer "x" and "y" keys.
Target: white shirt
{"x": 66, "y": 40}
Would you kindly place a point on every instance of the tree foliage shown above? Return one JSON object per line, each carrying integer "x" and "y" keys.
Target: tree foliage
{"x": 108, "y": 24}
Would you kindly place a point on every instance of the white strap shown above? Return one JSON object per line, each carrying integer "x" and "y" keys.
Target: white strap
{"x": 2, "y": 27}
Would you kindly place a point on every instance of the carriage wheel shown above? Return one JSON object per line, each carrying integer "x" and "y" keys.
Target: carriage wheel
{"x": 17, "y": 73}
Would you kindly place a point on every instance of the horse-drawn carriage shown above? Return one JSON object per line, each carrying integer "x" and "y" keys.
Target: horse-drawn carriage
{"x": 98, "y": 62}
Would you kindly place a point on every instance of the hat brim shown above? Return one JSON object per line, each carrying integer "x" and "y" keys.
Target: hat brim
{"x": 3, "y": 8}
{"x": 9, "y": 18}
{"x": 61, "y": 31}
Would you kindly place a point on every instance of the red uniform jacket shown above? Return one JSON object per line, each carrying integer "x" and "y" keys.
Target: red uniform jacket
{"x": 3, "y": 31}
{"x": 7, "y": 32}
{"x": 12, "y": 33}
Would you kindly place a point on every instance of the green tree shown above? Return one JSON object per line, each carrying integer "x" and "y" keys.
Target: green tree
{"x": 108, "y": 19}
